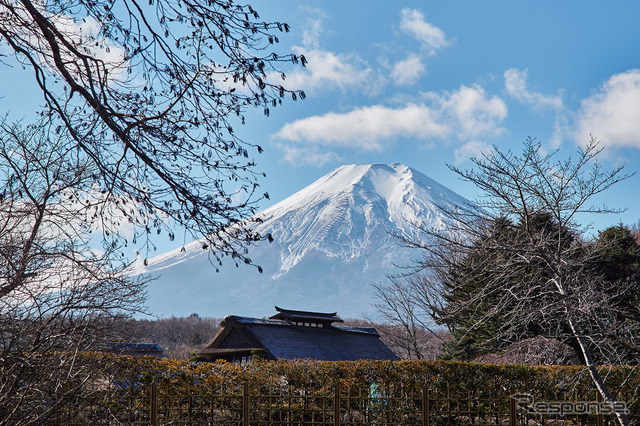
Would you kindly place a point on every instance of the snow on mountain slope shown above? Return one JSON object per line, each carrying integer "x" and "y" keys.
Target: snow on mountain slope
{"x": 332, "y": 240}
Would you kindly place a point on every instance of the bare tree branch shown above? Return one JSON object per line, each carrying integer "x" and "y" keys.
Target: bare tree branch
{"x": 150, "y": 94}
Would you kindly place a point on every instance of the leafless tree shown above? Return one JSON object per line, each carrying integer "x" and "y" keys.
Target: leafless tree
{"x": 58, "y": 293}
{"x": 635, "y": 229}
{"x": 180, "y": 337}
{"x": 150, "y": 92}
{"x": 520, "y": 264}
{"x": 421, "y": 344}
{"x": 405, "y": 324}
{"x": 136, "y": 137}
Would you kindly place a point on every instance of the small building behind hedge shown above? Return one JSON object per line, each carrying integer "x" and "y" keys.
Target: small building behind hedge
{"x": 134, "y": 349}
{"x": 294, "y": 334}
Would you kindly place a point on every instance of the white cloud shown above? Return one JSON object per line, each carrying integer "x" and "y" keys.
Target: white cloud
{"x": 465, "y": 114}
{"x": 472, "y": 149}
{"x": 407, "y": 72}
{"x": 612, "y": 114}
{"x": 82, "y": 35}
{"x": 560, "y": 129}
{"x": 310, "y": 156}
{"x": 364, "y": 128}
{"x": 515, "y": 82}
{"x": 470, "y": 113}
{"x": 327, "y": 70}
{"x": 313, "y": 28}
{"x": 431, "y": 37}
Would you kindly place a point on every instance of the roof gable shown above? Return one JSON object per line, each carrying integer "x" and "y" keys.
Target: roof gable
{"x": 235, "y": 338}
{"x": 232, "y": 338}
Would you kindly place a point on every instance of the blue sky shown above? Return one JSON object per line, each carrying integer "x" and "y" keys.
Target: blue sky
{"x": 435, "y": 83}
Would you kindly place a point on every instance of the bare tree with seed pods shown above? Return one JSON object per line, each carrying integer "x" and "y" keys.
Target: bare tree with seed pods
{"x": 150, "y": 93}
{"x": 59, "y": 294}
{"x": 519, "y": 264}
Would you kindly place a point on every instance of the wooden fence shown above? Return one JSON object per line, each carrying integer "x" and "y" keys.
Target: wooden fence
{"x": 262, "y": 404}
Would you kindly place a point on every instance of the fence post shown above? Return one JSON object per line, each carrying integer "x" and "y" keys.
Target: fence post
{"x": 245, "y": 404}
{"x": 153, "y": 416}
{"x": 513, "y": 417}
{"x": 425, "y": 406}
{"x": 599, "y": 417}
{"x": 336, "y": 405}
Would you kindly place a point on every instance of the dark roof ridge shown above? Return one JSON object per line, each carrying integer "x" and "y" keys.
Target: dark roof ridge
{"x": 250, "y": 320}
{"x": 290, "y": 313}
{"x": 279, "y": 309}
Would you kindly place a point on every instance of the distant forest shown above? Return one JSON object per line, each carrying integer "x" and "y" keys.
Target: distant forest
{"x": 179, "y": 337}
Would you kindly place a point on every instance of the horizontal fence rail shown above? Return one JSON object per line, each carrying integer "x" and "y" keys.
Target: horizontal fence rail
{"x": 243, "y": 404}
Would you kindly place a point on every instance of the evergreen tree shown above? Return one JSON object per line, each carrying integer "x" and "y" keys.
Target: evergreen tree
{"x": 474, "y": 287}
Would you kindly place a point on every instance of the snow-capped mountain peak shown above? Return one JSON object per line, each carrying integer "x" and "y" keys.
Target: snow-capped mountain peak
{"x": 332, "y": 239}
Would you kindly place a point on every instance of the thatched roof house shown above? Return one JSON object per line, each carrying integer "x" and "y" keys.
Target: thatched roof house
{"x": 294, "y": 334}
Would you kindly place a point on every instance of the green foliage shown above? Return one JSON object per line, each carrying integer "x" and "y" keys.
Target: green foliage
{"x": 309, "y": 374}
{"x": 614, "y": 270}
{"x": 619, "y": 258}
{"x": 478, "y": 283}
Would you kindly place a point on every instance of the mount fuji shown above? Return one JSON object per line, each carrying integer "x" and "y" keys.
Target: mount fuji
{"x": 332, "y": 240}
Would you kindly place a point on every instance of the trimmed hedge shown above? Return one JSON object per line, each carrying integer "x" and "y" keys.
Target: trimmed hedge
{"x": 181, "y": 380}
{"x": 623, "y": 381}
